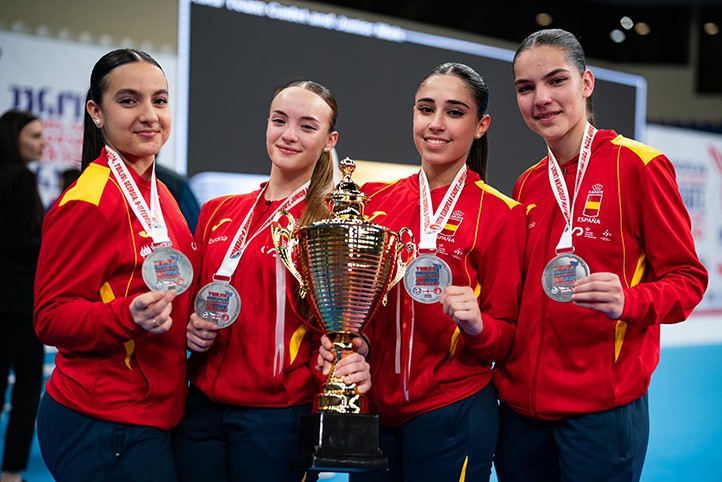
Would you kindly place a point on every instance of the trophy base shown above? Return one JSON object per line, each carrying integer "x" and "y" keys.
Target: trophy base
{"x": 339, "y": 442}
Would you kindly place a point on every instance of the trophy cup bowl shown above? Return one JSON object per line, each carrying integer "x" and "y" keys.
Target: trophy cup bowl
{"x": 345, "y": 266}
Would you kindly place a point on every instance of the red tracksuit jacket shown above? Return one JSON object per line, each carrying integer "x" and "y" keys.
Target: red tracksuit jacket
{"x": 483, "y": 244}
{"x": 628, "y": 219}
{"x": 89, "y": 272}
{"x": 238, "y": 368}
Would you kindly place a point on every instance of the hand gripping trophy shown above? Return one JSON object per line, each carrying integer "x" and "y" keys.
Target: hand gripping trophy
{"x": 346, "y": 265}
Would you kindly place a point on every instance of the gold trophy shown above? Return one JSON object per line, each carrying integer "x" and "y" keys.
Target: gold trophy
{"x": 346, "y": 265}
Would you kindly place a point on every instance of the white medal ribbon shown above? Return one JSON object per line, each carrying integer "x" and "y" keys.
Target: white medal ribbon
{"x": 280, "y": 317}
{"x": 430, "y": 225}
{"x": 241, "y": 240}
{"x": 411, "y": 352}
{"x": 150, "y": 218}
{"x": 397, "y": 358}
{"x": 559, "y": 187}
{"x": 430, "y": 228}
{"x": 233, "y": 256}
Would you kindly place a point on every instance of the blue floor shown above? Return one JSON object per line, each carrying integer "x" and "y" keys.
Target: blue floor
{"x": 685, "y": 404}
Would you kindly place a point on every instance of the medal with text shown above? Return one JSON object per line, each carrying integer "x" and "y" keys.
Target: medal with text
{"x": 566, "y": 268}
{"x": 218, "y": 302}
{"x": 426, "y": 278}
{"x": 165, "y": 268}
{"x": 561, "y": 273}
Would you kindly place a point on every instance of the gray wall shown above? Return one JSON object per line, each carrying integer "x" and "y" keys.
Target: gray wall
{"x": 671, "y": 93}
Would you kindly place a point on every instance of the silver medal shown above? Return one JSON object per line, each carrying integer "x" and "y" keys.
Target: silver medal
{"x": 218, "y": 302}
{"x": 167, "y": 269}
{"x": 426, "y": 278}
{"x": 560, "y": 274}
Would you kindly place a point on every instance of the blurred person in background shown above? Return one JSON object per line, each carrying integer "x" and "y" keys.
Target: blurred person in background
{"x": 21, "y": 216}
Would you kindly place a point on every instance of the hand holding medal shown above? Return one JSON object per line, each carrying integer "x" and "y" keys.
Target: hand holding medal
{"x": 201, "y": 334}
{"x": 152, "y": 311}
{"x": 461, "y": 304}
{"x": 602, "y": 292}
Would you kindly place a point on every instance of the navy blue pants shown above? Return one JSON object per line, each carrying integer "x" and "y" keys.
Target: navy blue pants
{"x": 607, "y": 446}
{"x": 77, "y": 448}
{"x": 443, "y": 445}
{"x": 220, "y": 442}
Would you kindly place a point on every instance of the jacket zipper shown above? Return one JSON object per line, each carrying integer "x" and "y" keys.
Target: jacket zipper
{"x": 535, "y": 378}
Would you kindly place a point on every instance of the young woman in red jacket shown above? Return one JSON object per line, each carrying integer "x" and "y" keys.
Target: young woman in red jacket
{"x": 609, "y": 258}
{"x": 117, "y": 257}
{"x": 250, "y": 372}
{"x": 433, "y": 346}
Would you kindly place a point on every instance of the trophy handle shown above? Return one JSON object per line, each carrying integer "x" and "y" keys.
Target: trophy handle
{"x": 410, "y": 248}
{"x": 284, "y": 242}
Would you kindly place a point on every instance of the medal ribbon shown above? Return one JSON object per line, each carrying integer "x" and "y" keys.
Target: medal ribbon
{"x": 233, "y": 257}
{"x": 559, "y": 187}
{"x": 430, "y": 228}
{"x": 280, "y": 317}
{"x": 404, "y": 311}
{"x": 150, "y": 218}
{"x": 431, "y": 224}
{"x": 241, "y": 239}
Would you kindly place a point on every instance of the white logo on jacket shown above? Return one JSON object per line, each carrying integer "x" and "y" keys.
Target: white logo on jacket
{"x": 218, "y": 239}
{"x": 145, "y": 251}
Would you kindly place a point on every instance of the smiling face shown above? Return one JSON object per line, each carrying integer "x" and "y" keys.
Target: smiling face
{"x": 31, "y": 141}
{"x": 551, "y": 94}
{"x": 134, "y": 113}
{"x": 298, "y": 130}
{"x": 446, "y": 121}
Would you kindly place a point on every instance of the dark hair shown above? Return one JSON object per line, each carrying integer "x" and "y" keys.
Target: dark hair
{"x": 566, "y": 42}
{"x": 12, "y": 123}
{"x": 479, "y": 152}
{"x": 322, "y": 176}
{"x": 93, "y": 140}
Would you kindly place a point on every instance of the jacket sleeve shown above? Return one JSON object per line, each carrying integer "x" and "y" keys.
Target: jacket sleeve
{"x": 500, "y": 285}
{"x": 674, "y": 279}
{"x": 75, "y": 307}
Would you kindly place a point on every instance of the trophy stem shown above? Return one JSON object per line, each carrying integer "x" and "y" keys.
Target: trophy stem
{"x": 339, "y": 436}
{"x": 337, "y": 395}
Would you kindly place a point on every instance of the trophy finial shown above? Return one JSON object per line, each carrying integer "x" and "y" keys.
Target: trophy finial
{"x": 347, "y": 167}
{"x": 347, "y": 201}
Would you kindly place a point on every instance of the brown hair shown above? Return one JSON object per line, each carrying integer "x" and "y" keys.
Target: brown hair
{"x": 322, "y": 176}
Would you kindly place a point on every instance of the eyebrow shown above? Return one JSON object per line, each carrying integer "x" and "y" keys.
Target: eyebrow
{"x": 452, "y": 102}
{"x": 546, "y": 76}
{"x": 138, "y": 94}
{"x": 306, "y": 118}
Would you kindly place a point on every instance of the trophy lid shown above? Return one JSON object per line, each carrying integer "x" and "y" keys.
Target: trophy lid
{"x": 347, "y": 201}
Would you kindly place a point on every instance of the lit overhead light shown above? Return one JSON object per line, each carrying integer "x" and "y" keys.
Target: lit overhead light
{"x": 543, "y": 19}
{"x": 642, "y": 28}
{"x": 710, "y": 28}
{"x": 617, "y": 36}
{"x": 626, "y": 22}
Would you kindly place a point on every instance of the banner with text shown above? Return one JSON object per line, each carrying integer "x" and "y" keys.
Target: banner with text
{"x": 49, "y": 77}
{"x": 697, "y": 158}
